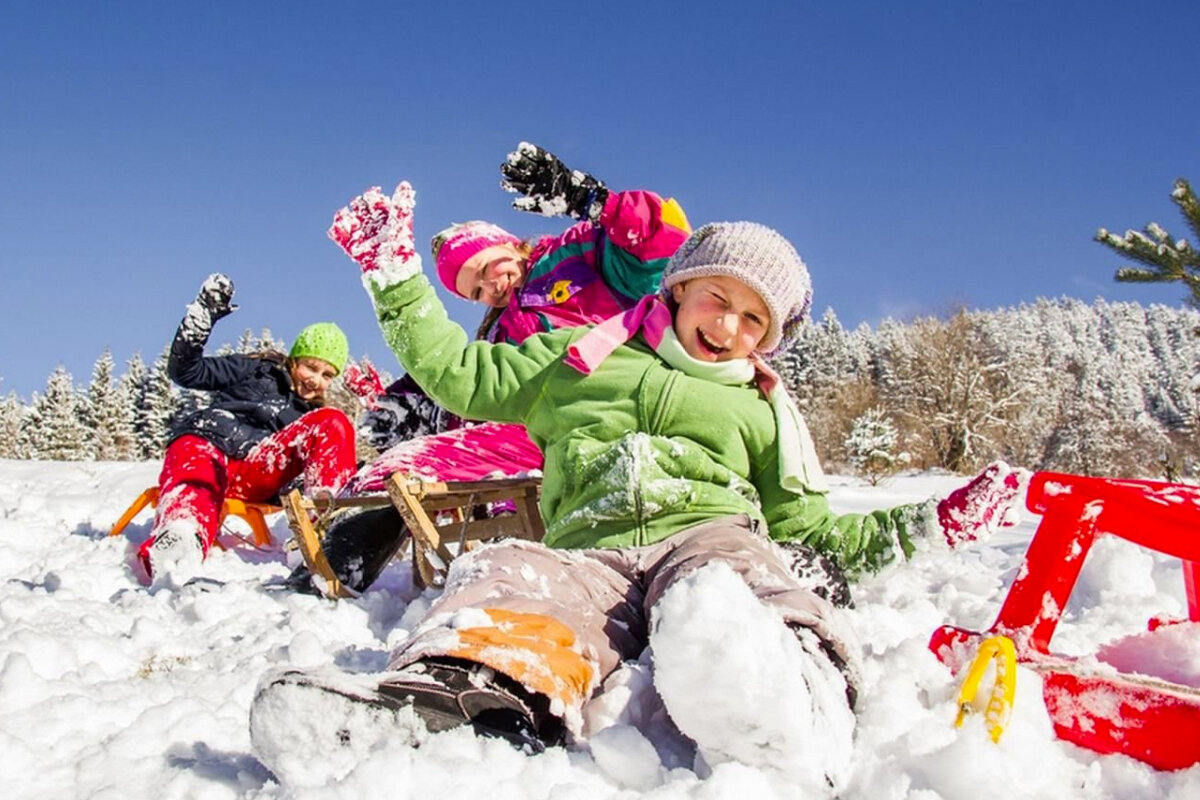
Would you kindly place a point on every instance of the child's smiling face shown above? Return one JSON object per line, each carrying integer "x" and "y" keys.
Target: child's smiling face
{"x": 311, "y": 377}
{"x": 719, "y": 318}
{"x": 491, "y": 275}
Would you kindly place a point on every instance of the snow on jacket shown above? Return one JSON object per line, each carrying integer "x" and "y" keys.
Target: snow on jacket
{"x": 592, "y": 272}
{"x": 252, "y": 396}
{"x": 635, "y": 451}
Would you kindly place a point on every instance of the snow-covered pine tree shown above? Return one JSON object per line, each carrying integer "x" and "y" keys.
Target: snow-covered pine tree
{"x": 157, "y": 405}
{"x": 132, "y": 386}
{"x": 871, "y": 446}
{"x": 791, "y": 362}
{"x": 250, "y": 344}
{"x": 110, "y": 413}
{"x": 828, "y": 371}
{"x": 100, "y": 394}
{"x": 1176, "y": 350}
{"x": 12, "y": 410}
{"x": 56, "y": 432}
{"x": 86, "y": 420}
{"x": 26, "y": 444}
{"x": 1163, "y": 257}
{"x": 1092, "y": 437}
{"x": 1014, "y": 333}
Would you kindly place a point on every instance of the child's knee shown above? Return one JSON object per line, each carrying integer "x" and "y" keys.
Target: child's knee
{"x": 331, "y": 422}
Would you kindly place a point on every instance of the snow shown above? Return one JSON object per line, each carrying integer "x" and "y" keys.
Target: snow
{"x": 110, "y": 690}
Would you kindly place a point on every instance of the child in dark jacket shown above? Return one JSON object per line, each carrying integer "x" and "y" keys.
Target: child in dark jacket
{"x": 671, "y": 450}
{"x": 265, "y": 426}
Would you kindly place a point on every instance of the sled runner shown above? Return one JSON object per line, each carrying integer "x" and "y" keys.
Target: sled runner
{"x": 1090, "y": 703}
{"x": 252, "y": 513}
{"x": 308, "y": 521}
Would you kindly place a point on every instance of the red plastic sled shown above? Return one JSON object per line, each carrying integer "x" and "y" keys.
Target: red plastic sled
{"x": 1152, "y": 720}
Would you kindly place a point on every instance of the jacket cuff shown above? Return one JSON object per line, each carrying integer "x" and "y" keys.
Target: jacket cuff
{"x": 391, "y": 272}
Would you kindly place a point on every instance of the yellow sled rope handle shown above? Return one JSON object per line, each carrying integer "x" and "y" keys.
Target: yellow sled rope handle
{"x": 1000, "y": 704}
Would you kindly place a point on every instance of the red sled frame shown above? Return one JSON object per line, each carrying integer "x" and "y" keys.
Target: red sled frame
{"x": 1099, "y": 708}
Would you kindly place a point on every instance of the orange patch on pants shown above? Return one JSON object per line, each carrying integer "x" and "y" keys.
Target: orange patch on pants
{"x": 535, "y": 650}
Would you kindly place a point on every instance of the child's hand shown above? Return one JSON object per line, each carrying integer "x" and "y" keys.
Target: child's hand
{"x": 550, "y": 188}
{"x": 990, "y": 501}
{"x": 364, "y": 382}
{"x": 216, "y": 296}
{"x": 213, "y": 301}
{"x": 376, "y": 231}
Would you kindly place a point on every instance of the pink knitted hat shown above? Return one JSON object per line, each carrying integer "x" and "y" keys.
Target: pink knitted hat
{"x": 454, "y": 246}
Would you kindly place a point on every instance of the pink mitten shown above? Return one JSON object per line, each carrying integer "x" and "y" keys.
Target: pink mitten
{"x": 377, "y": 231}
{"x": 988, "y": 502}
{"x": 364, "y": 381}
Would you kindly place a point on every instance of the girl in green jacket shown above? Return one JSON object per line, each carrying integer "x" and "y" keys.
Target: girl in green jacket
{"x": 670, "y": 448}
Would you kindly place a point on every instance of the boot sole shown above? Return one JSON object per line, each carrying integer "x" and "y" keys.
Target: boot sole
{"x": 311, "y": 729}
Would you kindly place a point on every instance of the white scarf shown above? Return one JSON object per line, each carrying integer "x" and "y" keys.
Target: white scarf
{"x": 799, "y": 468}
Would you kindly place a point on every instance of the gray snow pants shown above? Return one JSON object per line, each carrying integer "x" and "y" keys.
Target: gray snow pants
{"x": 560, "y": 621}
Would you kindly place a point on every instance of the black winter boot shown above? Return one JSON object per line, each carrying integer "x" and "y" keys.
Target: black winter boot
{"x": 311, "y": 727}
{"x": 449, "y": 692}
{"x": 358, "y": 545}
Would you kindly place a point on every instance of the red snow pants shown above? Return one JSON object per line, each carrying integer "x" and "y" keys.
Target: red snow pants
{"x": 196, "y": 477}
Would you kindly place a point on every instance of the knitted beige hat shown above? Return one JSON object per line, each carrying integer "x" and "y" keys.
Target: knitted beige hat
{"x": 757, "y": 256}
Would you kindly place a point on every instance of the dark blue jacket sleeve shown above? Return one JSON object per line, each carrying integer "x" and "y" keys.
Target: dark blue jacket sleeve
{"x": 188, "y": 366}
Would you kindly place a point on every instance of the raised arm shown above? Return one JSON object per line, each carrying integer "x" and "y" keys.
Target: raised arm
{"x": 187, "y": 365}
{"x": 476, "y": 380}
{"x": 642, "y": 229}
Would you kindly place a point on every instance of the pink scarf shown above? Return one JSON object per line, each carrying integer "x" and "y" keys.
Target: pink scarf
{"x": 650, "y": 316}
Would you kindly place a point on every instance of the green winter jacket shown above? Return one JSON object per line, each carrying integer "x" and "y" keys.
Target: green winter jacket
{"x": 635, "y": 451}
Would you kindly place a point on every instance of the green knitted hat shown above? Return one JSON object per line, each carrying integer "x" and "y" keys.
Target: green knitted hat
{"x": 323, "y": 340}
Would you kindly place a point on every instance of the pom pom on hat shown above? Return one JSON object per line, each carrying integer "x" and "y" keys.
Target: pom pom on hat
{"x": 455, "y": 245}
{"x": 323, "y": 340}
{"x": 759, "y": 257}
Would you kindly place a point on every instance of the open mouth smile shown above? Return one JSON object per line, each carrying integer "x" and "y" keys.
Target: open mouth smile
{"x": 707, "y": 345}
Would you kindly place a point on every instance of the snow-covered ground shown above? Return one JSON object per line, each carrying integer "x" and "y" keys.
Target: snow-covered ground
{"x": 110, "y": 691}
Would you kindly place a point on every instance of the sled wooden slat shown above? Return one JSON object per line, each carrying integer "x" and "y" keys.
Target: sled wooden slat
{"x": 357, "y": 501}
{"x": 421, "y": 502}
{"x": 308, "y": 542}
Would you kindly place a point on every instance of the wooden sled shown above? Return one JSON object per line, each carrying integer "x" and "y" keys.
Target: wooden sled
{"x": 1095, "y": 706}
{"x": 440, "y": 515}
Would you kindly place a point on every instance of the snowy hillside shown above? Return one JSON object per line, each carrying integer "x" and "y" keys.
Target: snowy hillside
{"x": 109, "y": 691}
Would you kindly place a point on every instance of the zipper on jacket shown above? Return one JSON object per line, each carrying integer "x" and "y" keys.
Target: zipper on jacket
{"x": 653, "y": 426}
{"x": 638, "y": 504}
{"x": 660, "y": 407}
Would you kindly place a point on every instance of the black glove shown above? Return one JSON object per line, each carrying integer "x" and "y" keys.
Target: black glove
{"x": 212, "y": 302}
{"x": 396, "y": 418}
{"x": 550, "y": 188}
{"x": 216, "y": 295}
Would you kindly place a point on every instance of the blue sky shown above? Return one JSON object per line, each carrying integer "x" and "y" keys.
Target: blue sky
{"x": 920, "y": 155}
